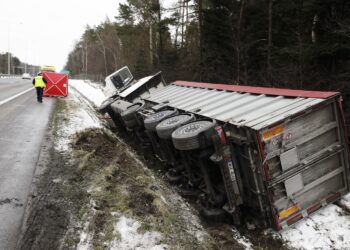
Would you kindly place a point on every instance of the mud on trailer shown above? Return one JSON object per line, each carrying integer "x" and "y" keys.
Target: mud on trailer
{"x": 275, "y": 154}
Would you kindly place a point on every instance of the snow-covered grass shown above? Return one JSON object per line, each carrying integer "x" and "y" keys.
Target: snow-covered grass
{"x": 89, "y": 91}
{"x": 85, "y": 239}
{"x": 130, "y": 238}
{"x": 242, "y": 240}
{"x": 79, "y": 119}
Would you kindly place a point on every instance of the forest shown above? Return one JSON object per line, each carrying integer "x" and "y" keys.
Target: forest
{"x": 15, "y": 64}
{"x": 17, "y": 67}
{"x": 295, "y": 44}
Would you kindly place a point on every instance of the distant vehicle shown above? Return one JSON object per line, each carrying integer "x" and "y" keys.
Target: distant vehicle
{"x": 26, "y": 76}
{"x": 48, "y": 68}
{"x": 64, "y": 71}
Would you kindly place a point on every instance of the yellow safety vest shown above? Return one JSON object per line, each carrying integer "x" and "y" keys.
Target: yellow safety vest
{"x": 39, "y": 82}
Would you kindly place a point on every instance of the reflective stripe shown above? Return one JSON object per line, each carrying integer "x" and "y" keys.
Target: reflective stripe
{"x": 288, "y": 211}
{"x": 39, "y": 82}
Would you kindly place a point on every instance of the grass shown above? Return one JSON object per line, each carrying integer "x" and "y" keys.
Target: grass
{"x": 112, "y": 187}
{"x": 145, "y": 227}
{"x": 58, "y": 118}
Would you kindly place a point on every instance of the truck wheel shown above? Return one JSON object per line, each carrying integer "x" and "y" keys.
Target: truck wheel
{"x": 129, "y": 113}
{"x": 152, "y": 121}
{"x": 106, "y": 104}
{"x": 166, "y": 127}
{"x": 188, "y": 137}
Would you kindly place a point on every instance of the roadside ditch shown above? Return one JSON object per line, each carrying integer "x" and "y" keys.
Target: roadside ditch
{"x": 93, "y": 191}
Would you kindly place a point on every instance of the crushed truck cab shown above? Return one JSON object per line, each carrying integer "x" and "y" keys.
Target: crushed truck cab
{"x": 274, "y": 155}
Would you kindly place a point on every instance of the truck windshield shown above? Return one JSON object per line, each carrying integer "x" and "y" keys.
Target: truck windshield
{"x": 121, "y": 78}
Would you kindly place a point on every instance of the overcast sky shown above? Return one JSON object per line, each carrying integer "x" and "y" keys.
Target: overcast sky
{"x": 44, "y": 32}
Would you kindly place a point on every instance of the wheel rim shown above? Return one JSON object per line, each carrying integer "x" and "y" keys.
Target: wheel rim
{"x": 152, "y": 121}
{"x": 192, "y": 129}
{"x": 175, "y": 121}
{"x": 159, "y": 116}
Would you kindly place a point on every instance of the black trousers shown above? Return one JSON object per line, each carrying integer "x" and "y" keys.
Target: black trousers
{"x": 39, "y": 93}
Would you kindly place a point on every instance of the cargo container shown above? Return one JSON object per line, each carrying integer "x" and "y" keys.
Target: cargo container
{"x": 276, "y": 155}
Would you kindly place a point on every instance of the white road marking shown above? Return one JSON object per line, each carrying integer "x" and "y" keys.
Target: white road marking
{"x": 15, "y": 96}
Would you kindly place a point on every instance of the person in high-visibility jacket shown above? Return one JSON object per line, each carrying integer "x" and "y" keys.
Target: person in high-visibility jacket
{"x": 39, "y": 83}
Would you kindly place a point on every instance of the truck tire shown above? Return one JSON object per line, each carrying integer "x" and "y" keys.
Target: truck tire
{"x": 166, "y": 127}
{"x": 152, "y": 121}
{"x": 189, "y": 136}
{"x": 129, "y": 113}
{"x": 107, "y": 103}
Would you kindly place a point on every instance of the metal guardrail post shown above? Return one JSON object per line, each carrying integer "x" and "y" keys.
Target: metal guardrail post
{"x": 9, "y": 76}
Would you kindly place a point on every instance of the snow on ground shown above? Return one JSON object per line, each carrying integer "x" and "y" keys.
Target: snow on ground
{"x": 127, "y": 228}
{"x": 89, "y": 91}
{"x": 80, "y": 119}
{"x": 328, "y": 228}
{"x": 242, "y": 240}
{"x": 81, "y": 113}
{"x": 345, "y": 201}
{"x": 86, "y": 239}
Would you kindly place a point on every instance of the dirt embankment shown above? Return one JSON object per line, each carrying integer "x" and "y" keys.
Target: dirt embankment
{"x": 83, "y": 194}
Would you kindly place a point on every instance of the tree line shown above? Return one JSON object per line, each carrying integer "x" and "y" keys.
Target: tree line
{"x": 15, "y": 63}
{"x": 17, "y": 67}
{"x": 295, "y": 44}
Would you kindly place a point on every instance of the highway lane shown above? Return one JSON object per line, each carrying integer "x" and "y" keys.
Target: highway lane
{"x": 10, "y": 87}
{"x": 23, "y": 123}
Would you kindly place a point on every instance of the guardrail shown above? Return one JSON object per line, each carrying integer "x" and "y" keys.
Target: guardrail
{"x": 9, "y": 76}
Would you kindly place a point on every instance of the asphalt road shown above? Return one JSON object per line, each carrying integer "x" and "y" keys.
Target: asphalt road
{"x": 23, "y": 123}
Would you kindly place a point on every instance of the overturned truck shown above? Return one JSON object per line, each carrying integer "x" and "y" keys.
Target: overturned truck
{"x": 274, "y": 155}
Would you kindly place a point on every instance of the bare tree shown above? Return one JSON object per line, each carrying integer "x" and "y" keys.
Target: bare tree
{"x": 103, "y": 50}
{"x": 238, "y": 42}
{"x": 201, "y": 42}
{"x": 182, "y": 22}
{"x": 269, "y": 45}
{"x": 313, "y": 30}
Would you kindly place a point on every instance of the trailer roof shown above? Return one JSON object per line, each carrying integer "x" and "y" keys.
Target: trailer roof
{"x": 254, "y": 109}
{"x": 260, "y": 90}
